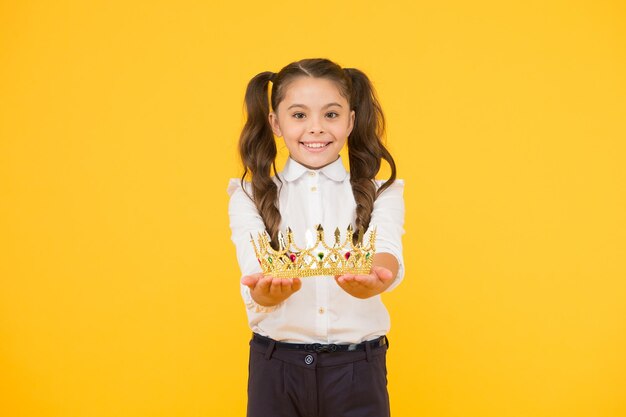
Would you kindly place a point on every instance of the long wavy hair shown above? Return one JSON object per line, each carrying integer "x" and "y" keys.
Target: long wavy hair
{"x": 257, "y": 145}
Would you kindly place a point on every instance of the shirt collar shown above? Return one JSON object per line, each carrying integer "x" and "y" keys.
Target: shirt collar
{"x": 293, "y": 170}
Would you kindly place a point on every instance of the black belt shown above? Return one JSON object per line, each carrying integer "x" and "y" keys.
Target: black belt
{"x": 318, "y": 347}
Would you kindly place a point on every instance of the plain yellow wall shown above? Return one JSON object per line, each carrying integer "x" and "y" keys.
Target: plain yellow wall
{"x": 119, "y": 287}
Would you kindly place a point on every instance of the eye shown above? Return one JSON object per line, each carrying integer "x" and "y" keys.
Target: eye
{"x": 295, "y": 114}
{"x": 335, "y": 113}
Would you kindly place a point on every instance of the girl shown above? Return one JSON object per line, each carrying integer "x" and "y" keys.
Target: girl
{"x": 318, "y": 345}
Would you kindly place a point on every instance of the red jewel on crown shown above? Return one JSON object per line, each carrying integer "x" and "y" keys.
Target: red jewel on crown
{"x": 347, "y": 255}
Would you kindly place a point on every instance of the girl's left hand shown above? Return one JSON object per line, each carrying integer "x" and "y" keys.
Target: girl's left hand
{"x": 365, "y": 286}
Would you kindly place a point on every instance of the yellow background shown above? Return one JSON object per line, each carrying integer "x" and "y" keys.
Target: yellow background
{"x": 119, "y": 288}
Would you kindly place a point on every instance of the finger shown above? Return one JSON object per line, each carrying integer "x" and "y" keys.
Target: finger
{"x": 264, "y": 284}
{"x": 276, "y": 287}
{"x": 342, "y": 285}
{"x": 252, "y": 279}
{"x": 345, "y": 278}
{"x": 368, "y": 281}
{"x": 354, "y": 283}
{"x": 296, "y": 285}
{"x": 382, "y": 273}
{"x": 285, "y": 285}
{"x": 366, "y": 278}
{"x": 347, "y": 281}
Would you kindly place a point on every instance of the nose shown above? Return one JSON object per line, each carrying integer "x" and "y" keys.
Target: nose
{"x": 316, "y": 126}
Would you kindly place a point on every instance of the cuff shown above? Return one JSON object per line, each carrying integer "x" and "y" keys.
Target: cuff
{"x": 253, "y": 305}
{"x": 400, "y": 275}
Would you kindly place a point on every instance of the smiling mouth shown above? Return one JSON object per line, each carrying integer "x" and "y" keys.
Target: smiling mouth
{"x": 315, "y": 145}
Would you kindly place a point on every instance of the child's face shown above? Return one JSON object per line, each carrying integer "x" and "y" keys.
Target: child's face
{"x": 315, "y": 121}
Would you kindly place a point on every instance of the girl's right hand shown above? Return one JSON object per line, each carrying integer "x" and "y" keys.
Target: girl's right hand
{"x": 269, "y": 291}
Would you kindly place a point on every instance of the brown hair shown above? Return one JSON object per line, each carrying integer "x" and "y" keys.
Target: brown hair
{"x": 257, "y": 146}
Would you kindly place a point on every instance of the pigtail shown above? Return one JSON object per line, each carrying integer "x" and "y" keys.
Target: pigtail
{"x": 365, "y": 146}
{"x": 257, "y": 149}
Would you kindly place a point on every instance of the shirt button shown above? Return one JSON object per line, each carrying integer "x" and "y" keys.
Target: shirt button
{"x": 308, "y": 359}
{"x": 311, "y": 174}
{"x": 321, "y": 310}
{"x": 313, "y": 188}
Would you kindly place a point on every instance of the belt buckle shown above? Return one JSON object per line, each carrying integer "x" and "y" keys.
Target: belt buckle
{"x": 319, "y": 348}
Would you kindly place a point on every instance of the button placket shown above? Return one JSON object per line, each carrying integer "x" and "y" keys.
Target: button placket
{"x": 313, "y": 181}
{"x": 313, "y": 178}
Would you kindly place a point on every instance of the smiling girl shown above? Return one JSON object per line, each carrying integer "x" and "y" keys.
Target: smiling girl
{"x": 318, "y": 344}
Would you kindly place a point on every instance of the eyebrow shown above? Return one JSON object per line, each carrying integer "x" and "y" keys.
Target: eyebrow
{"x": 305, "y": 107}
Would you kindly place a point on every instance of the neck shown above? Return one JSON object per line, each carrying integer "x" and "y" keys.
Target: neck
{"x": 310, "y": 167}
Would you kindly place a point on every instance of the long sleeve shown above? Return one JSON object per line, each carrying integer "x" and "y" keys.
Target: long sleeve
{"x": 388, "y": 218}
{"x": 245, "y": 220}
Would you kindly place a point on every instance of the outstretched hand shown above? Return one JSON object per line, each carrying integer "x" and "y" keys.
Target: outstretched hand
{"x": 365, "y": 286}
{"x": 270, "y": 291}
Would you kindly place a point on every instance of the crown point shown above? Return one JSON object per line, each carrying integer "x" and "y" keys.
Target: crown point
{"x": 281, "y": 241}
{"x": 289, "y": 236}
{"x": 360, "y": 236}
{"x": 320, "y": 232}
{"x": 337, "y": 236}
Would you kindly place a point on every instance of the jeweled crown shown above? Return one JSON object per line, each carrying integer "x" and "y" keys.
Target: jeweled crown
{"x": 318, "y": 258}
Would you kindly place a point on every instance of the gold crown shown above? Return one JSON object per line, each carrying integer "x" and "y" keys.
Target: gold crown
{"x": 290, "y": 261}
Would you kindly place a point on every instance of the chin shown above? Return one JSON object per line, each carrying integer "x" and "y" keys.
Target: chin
{"x": 316, "y": 163}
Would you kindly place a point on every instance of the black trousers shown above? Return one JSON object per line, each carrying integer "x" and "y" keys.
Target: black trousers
{"x": 296, "y": 383}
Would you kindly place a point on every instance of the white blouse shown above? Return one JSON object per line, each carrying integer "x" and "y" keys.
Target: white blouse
{"x": 321, "y": 311}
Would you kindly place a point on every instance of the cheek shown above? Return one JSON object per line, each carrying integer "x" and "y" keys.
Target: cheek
{"x": 292, "y": 132}
{"x": 340, "y": 132}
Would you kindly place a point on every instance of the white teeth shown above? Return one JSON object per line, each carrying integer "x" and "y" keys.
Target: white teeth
{"x": 314, "y": 145}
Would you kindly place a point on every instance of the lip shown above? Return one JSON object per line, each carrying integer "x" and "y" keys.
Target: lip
{"x": 315, "y": 150}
